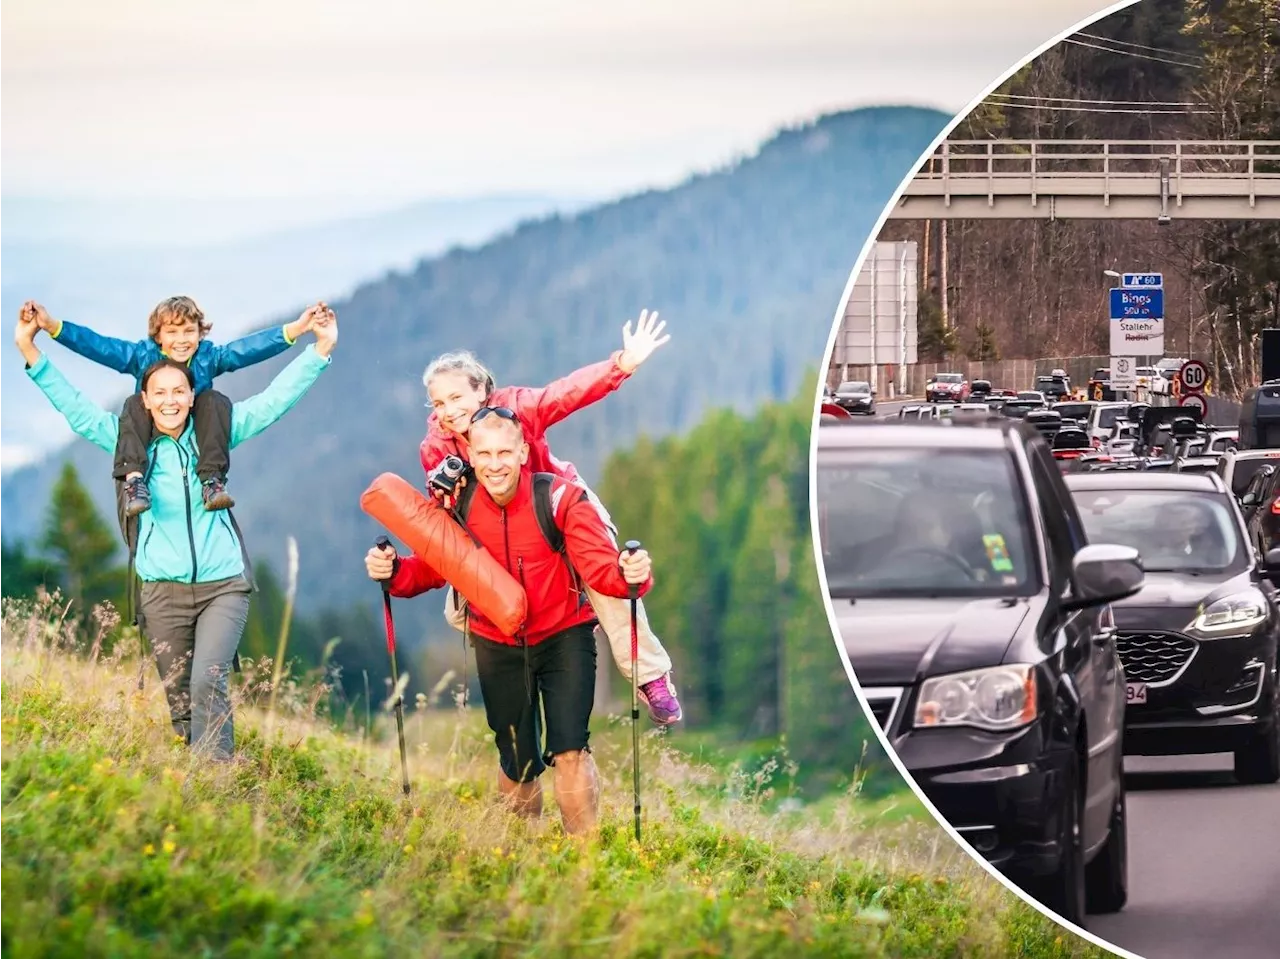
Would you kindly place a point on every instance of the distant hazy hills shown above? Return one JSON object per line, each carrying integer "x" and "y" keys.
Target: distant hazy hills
{"x": 239, "y": 274}
{"x": 747, "y": 266}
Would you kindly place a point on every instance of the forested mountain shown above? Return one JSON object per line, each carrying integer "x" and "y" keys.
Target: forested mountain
{"x": 1159, "y": 70}
{"x": 746, "y": 264}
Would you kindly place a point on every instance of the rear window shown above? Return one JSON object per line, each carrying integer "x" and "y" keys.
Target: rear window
{"x": 1108, "y": 415}
{"x": 1245, "y": 471}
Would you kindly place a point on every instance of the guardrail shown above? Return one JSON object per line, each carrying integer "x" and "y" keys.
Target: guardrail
{"x": 1097, "y": 179}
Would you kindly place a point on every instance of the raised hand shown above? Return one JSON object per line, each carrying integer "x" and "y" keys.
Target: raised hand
{"x": 25, "y": 334}
{"x": 325, "y": 327}
{"x": 639, "y": 346}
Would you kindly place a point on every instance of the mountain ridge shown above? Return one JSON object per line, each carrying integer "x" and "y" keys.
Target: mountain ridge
{"x": 746, "y": 264}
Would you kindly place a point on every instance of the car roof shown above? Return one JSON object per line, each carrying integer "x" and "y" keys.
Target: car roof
{"x": 976, "y": 434}
{"x": 1148, "y": 480}
{"x": 1256, "y": 454}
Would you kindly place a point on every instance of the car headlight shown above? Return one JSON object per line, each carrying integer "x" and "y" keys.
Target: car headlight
{"x": 998, "y": 698}
{"x": 1235, "y": 612}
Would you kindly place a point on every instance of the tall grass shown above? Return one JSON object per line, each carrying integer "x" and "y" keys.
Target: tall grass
{"x": 117, "y": 841}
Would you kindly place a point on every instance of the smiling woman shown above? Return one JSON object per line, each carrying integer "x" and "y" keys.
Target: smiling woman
{"x": 195, "y": 591}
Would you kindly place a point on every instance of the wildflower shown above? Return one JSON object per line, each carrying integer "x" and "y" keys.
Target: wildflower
{"x": 148, "y": 850}
{"x": 408, "y": 847}
{"x": 169, "y": 846}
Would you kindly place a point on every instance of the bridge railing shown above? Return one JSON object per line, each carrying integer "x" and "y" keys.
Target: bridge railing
{"x": 991, "y": 160}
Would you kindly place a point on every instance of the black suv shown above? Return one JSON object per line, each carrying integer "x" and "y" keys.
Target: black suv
{"x": 976, "y": 619}
{"x": 1198, "y": 642}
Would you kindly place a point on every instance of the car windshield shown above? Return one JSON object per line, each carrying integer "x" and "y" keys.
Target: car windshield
{"x": 1174, "y": 530}
{"x": 949, "y": 378}
{"x": 854, "y": 386}
{"x": 923, "y": 522}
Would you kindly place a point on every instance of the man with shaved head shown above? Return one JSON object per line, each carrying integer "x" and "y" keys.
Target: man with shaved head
{"x": 551, "y": 662}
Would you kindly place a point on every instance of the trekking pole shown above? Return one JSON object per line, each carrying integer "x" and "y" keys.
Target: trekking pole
{"x": 634, "y": 594}
{"x": 382, "y": 543}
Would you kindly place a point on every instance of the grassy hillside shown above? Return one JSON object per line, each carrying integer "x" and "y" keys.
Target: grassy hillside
{"x": 115, "y": 843}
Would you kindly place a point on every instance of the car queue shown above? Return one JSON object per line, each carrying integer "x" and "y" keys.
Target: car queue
{"x": 1028, "y": 596}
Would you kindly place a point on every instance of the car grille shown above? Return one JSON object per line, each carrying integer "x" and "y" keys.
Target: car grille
{"x": 882, "y": 702}
{"x": 1154, "y": 657}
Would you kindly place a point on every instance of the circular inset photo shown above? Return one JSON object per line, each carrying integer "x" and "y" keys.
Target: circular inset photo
{"x": 1046, "y": 483}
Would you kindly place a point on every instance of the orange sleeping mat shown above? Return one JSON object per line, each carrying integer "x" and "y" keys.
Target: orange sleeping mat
{"x": 436, "y": 537}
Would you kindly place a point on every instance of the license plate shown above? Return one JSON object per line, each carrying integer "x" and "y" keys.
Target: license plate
{"x": 1135, "y": 694}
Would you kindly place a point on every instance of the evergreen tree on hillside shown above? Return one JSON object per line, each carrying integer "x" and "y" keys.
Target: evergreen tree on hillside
{"x": 81, "y": 546}
{"x": 21, "y": 573}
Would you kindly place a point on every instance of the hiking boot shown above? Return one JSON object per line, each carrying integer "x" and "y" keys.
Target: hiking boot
{"x": 139, "y": 497}
{"x": 216, "y": 495}
{"x": 660, "y": 696}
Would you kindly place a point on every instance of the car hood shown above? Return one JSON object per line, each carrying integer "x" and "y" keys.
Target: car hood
{"x": 1169, "y": 600}
{"x": 894, "y": 641}
{"x": 1183, "y": 589}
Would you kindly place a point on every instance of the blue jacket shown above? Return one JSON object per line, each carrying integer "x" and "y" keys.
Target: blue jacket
{"x": 178, "y": 539}
{"x": 206, "y": 363}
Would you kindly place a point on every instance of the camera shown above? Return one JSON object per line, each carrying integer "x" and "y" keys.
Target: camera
{"x": 445, "y": 476}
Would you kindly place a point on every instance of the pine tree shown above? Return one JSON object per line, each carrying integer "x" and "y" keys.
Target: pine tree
{"x": 81, "y": 546}
{"x": 21, "y": 573}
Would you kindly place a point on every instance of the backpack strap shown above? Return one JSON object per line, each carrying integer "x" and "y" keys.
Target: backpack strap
{"x": 544, "y": 506}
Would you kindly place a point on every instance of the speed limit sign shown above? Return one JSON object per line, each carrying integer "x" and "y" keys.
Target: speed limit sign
{"x": 1194, "y": 376}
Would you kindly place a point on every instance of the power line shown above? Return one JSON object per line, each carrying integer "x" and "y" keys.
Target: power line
{"x": 1111, "y": 103}
{"x": 1141, "y": 46}
{"x": 1073, "y": 109}
{"x": 1129, "y": 53}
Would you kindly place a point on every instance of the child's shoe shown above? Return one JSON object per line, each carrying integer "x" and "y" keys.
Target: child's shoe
{"x": 660, "y": 696}
{"x": 139, "y": 497}
{"x": 216, "y": 495}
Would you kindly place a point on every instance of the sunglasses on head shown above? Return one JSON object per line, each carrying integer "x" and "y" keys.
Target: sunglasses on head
{"x": 502, "y": 411}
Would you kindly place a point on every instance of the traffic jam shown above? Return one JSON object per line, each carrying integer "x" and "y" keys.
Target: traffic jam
{"x": 1032, "y": 585}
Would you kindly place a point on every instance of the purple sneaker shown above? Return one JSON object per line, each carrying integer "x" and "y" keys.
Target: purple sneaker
{"x": 660, "y": 696}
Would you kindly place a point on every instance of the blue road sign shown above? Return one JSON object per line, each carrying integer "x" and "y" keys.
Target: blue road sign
{"x": 1142, "y": 281}
{"x": 1137, "y": 304}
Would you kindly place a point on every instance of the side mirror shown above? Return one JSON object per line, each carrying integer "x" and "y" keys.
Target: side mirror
{"x": 1105, "y": 573}
{"x": 1249, "y": 499}
{"x": 1273, "y": 558}
{"x": 873, "y": 392}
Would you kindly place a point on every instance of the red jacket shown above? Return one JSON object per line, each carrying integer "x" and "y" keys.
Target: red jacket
{"x": 513, "y": 537}
{"x": 539, "y": 410}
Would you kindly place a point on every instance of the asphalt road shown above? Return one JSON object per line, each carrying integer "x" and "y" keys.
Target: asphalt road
{"x": 1204, "y": 863}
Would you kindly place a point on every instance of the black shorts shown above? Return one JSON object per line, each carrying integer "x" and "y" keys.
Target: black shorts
{"x": 561, "y": 680}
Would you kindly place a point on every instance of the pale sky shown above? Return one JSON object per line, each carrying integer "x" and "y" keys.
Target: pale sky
{"x": 402, "y": 100}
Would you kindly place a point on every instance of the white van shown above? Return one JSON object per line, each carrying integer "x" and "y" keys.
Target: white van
{"x": 1102, "y": 417}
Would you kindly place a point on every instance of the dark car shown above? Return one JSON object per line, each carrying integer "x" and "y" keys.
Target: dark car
{"x": 1053, "y": 387}
{"x": 976, "y": 618}
{"x": 1260, "y": 504}
{"x": 1048, "y": 422}
{"x": 856, "y": 396}
{"x": 1198, "y": 642}
{"x": 980, "y": 390}
{"x": 1018, "y": 408}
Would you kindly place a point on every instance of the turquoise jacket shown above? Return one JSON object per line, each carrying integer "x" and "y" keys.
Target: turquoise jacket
{"x": 178, "y": 539}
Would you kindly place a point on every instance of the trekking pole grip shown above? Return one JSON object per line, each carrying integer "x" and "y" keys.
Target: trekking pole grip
{"x": 384, "y": 542}
{"x": 631, "y": 546}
